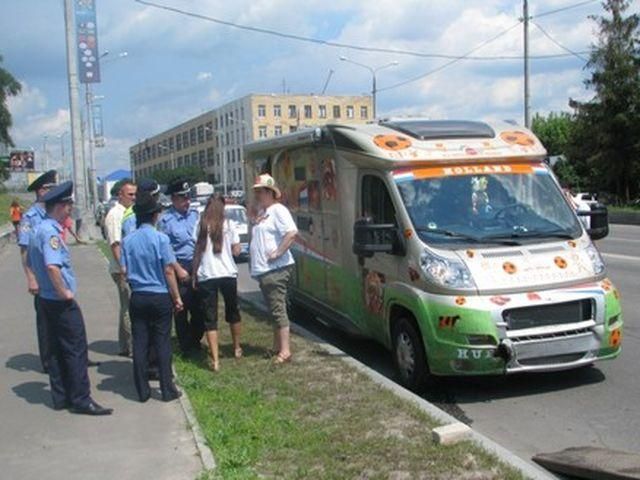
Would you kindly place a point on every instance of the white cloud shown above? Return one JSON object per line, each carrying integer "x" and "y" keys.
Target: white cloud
{"x": 30, "y": 100}
{"x": 202, "y": 76}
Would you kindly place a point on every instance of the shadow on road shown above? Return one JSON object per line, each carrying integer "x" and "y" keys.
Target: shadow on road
{"x": 105, "y": 347}
{"x": 25, "y": 362}
{"x": 119, "y": 379}
{"x": 35, "y": 393}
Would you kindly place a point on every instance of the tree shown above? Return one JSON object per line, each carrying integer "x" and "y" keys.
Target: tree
{"x": 553, "y": 131}
{"x": 190, "y": 173}
{"x": 9, "y": 86}
{"x": 605, "y": 142}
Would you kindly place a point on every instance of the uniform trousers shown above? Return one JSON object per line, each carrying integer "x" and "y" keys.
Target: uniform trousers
{"x": 43, "y": 337}
{"x": 151, "y": 323}
{"x": 68, "y": 359}
{"x": 190, "y": 321}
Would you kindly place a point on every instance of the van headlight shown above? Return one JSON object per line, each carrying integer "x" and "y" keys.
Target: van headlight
{"x": 596, "y": 259}
{"x": 446, "y": 272}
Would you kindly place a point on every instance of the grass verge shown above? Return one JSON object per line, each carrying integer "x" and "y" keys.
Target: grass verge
{"x": 315, "y": 418}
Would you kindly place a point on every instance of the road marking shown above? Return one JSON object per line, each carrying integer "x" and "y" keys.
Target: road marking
{"x": 621, "y": 257}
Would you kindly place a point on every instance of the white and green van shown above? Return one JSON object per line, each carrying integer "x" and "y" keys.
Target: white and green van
{"x": 449, "y": 242}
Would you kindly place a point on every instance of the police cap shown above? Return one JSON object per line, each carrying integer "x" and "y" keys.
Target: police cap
{"x": 148, "y": 185}
{"x": 47, "y": 179}
{"x": 178, "y": 187}
{"x": 59, "y": 194}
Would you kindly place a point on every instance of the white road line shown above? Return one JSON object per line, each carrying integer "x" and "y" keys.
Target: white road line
{"x": 620, "y": 257}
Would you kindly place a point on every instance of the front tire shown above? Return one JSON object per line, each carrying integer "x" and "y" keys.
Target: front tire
{"x": 409, "y": 355}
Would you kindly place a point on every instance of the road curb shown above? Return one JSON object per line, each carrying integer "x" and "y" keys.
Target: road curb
{"x": 205, "y": 453}
{"x": 502, "y": 453}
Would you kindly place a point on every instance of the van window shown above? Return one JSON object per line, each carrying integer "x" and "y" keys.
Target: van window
{"x": 376, "y": 201}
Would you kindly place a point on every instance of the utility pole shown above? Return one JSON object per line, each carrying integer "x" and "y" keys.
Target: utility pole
{"x": 374, "y": 92}
{"x": 91, "y": 138}
{"x": 74, "y": 105}
{"x": 527, "y": 95}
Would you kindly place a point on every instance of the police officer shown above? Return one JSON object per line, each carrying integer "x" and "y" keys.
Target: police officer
{"x": 150, "y": 265}
{"x": 30, "y": 221}
{"x": 179, "y": 223}
{"x": 50, "y": 261}
{"x": 129, "y": 218}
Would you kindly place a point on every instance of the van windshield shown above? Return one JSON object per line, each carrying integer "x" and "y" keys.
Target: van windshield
{"x": 238, "y": 215}
{"x": 488, "y": 204}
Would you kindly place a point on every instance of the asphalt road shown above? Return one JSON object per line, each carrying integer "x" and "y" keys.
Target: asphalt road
{"x": 536, "y": 413}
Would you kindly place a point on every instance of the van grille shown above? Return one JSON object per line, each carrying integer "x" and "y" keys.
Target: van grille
{"x": 545, "y": 315}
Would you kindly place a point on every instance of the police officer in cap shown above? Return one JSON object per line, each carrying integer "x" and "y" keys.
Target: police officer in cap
{"x": 129, "y": 218}
{"x": 179, "y": 223}
{"x": 149, "y": 265}
{"x": 50, "y": 261}
{"x": 30, "y": 221}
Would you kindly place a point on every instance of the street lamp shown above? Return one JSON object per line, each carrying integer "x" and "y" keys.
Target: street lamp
{"x": 373, "y": 70}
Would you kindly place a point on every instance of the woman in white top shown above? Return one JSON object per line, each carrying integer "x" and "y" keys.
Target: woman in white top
{"x": 272, "y": 234}
{"x": 214, "y": 269}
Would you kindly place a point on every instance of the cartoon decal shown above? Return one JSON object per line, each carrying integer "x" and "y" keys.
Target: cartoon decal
{"x": 500, "y": 300}
{"x": 461, "y": 301}
{"x": 615, "y": 339}
{"x": 533, "y": 296}
{"x": 572, "y": 244}
{"x": 517, "y": 137}
{"x": 373, "y": 291}
{"x": 606, "y": 285}
{"x": 448, "y": 321}
{"x": 392, "y": 142}
{"x": 509, "y": 267}
{"x": 471, "y": 253}
{"x": 560, "y": 262}
{"x": 329, "y": 183}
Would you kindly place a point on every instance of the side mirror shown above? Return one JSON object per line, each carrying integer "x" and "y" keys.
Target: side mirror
{"x": 370, "y": 238}
{"x": 596, "y": 221}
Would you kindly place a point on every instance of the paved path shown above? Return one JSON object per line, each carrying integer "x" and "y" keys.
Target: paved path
{"x": 139, "y": 441}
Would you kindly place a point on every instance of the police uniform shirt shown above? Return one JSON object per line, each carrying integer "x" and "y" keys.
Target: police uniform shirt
{"x": 29, "y": 223}
{"x": 47, "y": 248}
{"x": 145, "y": 254}
{"x": 179, "y": 228}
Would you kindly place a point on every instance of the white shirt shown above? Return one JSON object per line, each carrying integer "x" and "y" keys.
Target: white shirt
{"x": 113, "y": 227}
{"x": 267, "y": 235}
{"x": 218, "y": 265}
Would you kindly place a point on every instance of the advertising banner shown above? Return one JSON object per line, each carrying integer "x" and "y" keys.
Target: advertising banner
{"x": 87, "y": 41}
{"x": 21, "y": 161}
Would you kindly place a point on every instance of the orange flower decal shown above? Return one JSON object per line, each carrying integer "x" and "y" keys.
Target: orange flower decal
{"x": 392, "y": 142}
{"x": 606, "y": 285}
{"x": 471, "y": 253}
{"x": 509, "y": 267}
{"x": 615, "y": 339}
{"x": 560, "y": 262}
{"x": 517, "y": 138}
{"x": 461, "y": 301}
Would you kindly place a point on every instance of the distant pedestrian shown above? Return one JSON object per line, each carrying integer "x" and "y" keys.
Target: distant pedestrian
{"x": 15, "y": 212}
{"x": 272, "y": 234}
{"x": 28, "y": 225}
{"x": 214, "y": 270}
{"x": 149, "y": 265}
{"x": 179, "y": 223}
{"x": 50, "y": 261}
{"x": 67, "y": 226}
{"x": 125, "y": 190}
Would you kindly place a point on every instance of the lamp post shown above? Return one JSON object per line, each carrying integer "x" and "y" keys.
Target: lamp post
{"x": 374, "y": 71}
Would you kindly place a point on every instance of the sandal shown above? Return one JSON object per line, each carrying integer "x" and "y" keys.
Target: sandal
{"x": 280, "y": 359}
{"x": 238, "y": 353}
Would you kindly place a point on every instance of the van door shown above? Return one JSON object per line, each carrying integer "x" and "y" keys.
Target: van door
{"x": 375, "y": 202}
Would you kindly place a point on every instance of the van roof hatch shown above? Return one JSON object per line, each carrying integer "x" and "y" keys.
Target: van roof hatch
{"x": 441, "y": 129}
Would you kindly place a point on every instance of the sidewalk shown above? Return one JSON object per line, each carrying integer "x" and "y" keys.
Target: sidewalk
{"x": 138, "y": 441}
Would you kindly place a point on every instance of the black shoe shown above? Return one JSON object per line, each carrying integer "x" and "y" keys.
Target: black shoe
{"x": 172, "y": 395}
{"x": 93, "y": 363}
{"x": 92, "y": 409}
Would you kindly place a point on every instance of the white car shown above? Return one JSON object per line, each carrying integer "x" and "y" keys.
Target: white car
{"x": 238, "y": 216}
{"x": 583, "y": 202}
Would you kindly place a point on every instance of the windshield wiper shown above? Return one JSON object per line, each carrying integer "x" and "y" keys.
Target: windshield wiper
{"x": 534, "y": 234}
{"x": 464, "y": 236}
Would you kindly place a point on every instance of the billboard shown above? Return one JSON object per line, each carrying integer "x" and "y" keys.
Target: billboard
{"x": 87, "y": 41}
{"x": 21, "y": 160}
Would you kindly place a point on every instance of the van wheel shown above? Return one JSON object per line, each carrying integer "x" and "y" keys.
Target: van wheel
{"x": 409, "y": 355}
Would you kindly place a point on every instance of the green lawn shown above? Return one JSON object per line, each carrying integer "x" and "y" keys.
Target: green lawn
{"x": 314, "y": 418}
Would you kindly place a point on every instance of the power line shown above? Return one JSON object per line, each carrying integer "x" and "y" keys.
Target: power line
{"x": 455, "y": 60}
{"x": 563, "y": 9}
{"x": 329, "y": 43}
{"x": 566, "y": 49}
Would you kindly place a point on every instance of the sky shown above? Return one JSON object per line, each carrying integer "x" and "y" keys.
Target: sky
{"x": 178, "y": 66}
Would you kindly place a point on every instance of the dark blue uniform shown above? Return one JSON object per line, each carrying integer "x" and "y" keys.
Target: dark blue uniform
{"x": 145, "y": 254}
{"x": 179, "y": 228}
{"x": 28, "y": 225}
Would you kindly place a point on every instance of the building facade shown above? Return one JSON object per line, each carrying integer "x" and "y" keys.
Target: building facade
{"x": 215, "y": 139}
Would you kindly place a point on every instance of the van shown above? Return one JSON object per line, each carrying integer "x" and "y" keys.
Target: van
{"x": 449, "y": 242}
